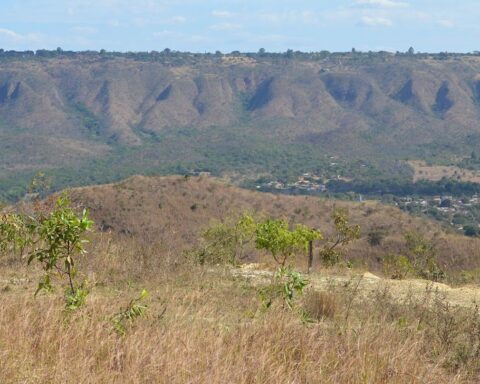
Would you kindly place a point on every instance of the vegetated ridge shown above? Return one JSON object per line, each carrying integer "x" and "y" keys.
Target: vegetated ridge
{"x": 93, "y": 118}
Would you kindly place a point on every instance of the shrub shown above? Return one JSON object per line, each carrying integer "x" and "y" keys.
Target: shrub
{"x": 14, "y": 233}
{"x": 375, "y": 237}
{"x": 225, "y": 243}
{"x": 397, "y": 266}
{"x": 344, "y": 234}
{"x": 423, "y": 257}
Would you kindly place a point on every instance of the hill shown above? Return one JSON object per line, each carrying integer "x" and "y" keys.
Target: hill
{"x": 174, "y": 210}
{"x": 210, "y": 323}
{"x": 91, "y": 118}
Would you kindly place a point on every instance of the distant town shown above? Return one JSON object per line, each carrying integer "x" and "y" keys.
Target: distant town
{"x": 463, "y": 213}
{"x": 306, "y": 182}
{"x": 460, "y": 213}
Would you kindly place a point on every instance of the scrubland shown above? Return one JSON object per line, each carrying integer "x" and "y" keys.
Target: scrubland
{"x": 207, "y": 323}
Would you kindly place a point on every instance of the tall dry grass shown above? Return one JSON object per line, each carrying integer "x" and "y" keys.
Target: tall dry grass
{"x": 213, "y": 331}
{"x": 38, "y": 345}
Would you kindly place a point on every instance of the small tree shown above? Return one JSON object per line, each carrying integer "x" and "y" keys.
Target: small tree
{"x": 59, "y": 239}
{"x": 282, "y": 243}
{"x": 344, "y": 234}
{"x": 226, "y": 242}
{"x": 275, "y": 237}
{"x": 375, "y": 237}
{"x": 424, "y": 256}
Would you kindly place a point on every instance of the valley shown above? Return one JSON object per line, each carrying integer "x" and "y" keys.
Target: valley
{"x": 250, "y": 218}
{"x": 89, "y": 118}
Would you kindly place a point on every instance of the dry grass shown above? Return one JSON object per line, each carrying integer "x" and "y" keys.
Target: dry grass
{"x": 244, "y": 61}
{"x": 160, "y": 208}
{"x": 320, "y": 305}
{"x": 42, "y": 348}
{"x": 212, "y": 330}
{"x": 437, "y": 172}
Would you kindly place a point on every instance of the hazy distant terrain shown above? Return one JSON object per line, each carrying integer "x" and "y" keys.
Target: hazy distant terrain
{"x": 94, "y": 118}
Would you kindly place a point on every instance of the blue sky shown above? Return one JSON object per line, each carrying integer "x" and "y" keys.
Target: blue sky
{"x": 245, "y": 25}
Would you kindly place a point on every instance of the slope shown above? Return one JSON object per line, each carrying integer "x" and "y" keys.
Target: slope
{"x": 174, "y": 210}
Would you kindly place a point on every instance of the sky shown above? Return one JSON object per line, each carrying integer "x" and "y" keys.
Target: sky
{"x": 243, "y": 25}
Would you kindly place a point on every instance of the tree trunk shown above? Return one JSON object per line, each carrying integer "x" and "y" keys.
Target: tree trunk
{"x": 310, "y": 256}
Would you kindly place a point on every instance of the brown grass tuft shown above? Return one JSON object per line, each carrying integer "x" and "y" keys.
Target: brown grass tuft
{"x": 320, "y": 305}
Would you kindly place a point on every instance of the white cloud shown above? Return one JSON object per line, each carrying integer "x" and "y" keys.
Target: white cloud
{"x": 85, "y": 30}
{"x": 17, "y": 37}
{"x": 181, "y": 37}
{"x": 446, "y": 23}
{"x": 382, "y": 3}
{"x": 226, "y": 27}
{"x": 114, "y": 23}
{"x": 113, "y": 6}
{"x": 140, "y": 22}
{"x": 376, "y": 21}
{"x": 222, "y": 14}
{"x": 9, "y": 33}
{"x": 178, "y": 19}
{"x": 305, "y": 17}
{"x": 164, "y": 33}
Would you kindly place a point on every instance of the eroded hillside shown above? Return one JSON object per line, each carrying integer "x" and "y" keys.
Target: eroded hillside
{"x": 83, "y": 113}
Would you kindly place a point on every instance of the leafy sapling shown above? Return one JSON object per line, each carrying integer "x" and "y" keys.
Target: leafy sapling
{"x": 14, "y": 233}
{"x": 135, "y": 309}
{"x": 282, "y": 243}
{"x": 59, "y": 240}
{"x": 344, "y": 234}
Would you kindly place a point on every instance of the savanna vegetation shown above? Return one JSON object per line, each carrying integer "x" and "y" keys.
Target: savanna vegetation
{"x": 95, "y": 302}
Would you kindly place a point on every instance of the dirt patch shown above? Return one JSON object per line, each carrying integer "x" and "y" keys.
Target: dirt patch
{"x": 367, "y": 283}
{"x": 400, "y": 289}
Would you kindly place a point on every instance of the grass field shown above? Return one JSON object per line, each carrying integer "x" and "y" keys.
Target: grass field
{"x": 204, "y": 325}
{"x": 209, "y": 324}
{"x": 437, "y": 172}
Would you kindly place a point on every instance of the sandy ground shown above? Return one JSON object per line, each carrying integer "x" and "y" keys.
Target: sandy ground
{"x": 367, "y": 283}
